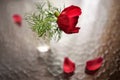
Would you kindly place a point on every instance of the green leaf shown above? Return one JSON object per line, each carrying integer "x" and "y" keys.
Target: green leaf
{"x": 42, "y": 21}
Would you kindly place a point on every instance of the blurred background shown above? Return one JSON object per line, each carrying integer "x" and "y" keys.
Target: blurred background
{"x": 21, "y": 57}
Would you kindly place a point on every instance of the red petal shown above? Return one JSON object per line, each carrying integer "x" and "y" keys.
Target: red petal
{"x": 69, "y": 66}
{"x": 73, "y": 21}
{"x": 76, "y": 30}
{"x": 95, "y": 64}
{"x": 63, "y": 22}
{"x": 72, "y": 11}
{"x": 68, "y": 19}
{"x": 17, "y": 19}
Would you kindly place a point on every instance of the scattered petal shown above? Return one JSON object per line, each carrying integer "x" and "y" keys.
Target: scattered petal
{"x": 93, "y": 65}
{"x": 17, "y": 19}
{"x": 69, "y": 66}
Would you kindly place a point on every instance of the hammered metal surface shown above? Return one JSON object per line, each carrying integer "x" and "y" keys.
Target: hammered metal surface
{"x": 99, "y": 36}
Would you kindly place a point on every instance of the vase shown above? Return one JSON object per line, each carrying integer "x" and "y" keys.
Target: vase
{"x": 48, "y": 53}
{"x": 43, "y": 47}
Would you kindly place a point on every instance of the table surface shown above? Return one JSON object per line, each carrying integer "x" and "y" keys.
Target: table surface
{"x": 98, "y": 36}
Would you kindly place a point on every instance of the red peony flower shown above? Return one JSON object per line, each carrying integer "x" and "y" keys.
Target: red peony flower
{"x": 69, "y": 66}
{"x": 93, "y": 65}
{"x": 68, "y": 19}
{"x": 17, "y": 19}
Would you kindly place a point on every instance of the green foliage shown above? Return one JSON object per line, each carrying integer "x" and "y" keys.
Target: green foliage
{"x": 44, "y": 23}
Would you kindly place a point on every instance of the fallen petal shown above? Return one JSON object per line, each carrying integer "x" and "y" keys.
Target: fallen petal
{"x": 69, "y": 66}
{"x": 17, "y": 19}
{"x": 93, "y": 65}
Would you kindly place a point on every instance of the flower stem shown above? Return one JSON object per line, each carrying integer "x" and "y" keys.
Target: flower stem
{"x": 56, "y": 13}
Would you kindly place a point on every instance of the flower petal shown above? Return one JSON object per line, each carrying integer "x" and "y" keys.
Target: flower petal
{"x": 68, "y": 19}
{"x": 17, "y": 19}
{"x": 69, "y": 66}
{"x": 75, "y": 30}
{"x": 93, "y": 65}
{"x": 72, "y": 11}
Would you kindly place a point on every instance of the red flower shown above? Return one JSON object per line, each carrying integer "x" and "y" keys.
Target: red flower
{"x": 93, "y": 65}
{"x": 69, "y": 66}
{"x": 17, "y": 19}
{"x": 68, "y": 19}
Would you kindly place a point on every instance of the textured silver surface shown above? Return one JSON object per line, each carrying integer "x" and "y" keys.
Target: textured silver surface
{"x": 99, "y": 36}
